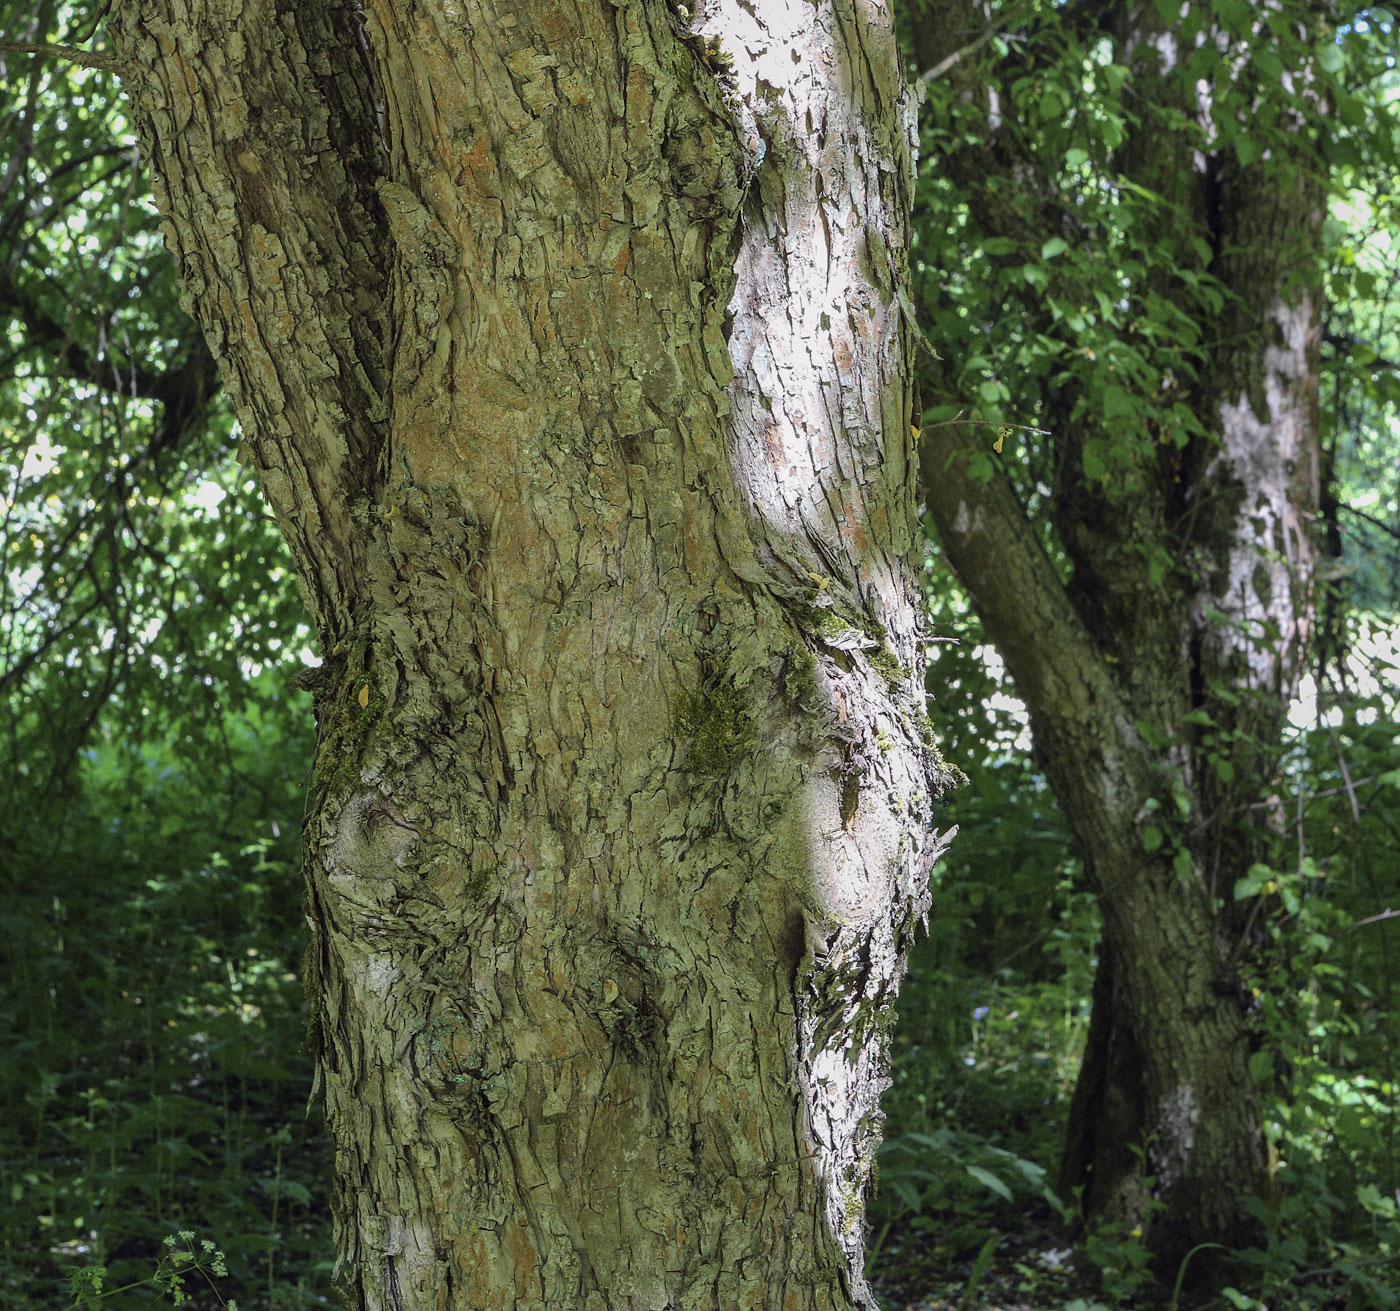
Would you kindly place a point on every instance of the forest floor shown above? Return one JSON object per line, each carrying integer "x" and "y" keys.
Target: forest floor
{"x": 1026, "y": 1263}
{"x": 1023, "y": 1269}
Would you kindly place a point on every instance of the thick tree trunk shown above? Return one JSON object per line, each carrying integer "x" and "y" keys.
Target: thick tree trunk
{"x": 619, "y": 825}
{"x": 1157, "y": 679}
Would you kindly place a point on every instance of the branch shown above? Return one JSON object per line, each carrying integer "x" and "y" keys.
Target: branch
{"x": 1094, "y": 757}
{"x": 1370, "y": 519}
{"x": 72, "y": 358}
{"x": 987, "y": 423}
{"x": 993, "y": 28}
{"x": 943, "y": 65}
{"x": 992, "y": 547}
{"x": 1003, "y": 429}
{"x": 72, "y": 54}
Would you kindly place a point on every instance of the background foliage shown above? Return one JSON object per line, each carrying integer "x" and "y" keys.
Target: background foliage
{"x": 1027, "y": 320}
{"x": 153, "y": 753}
{"x": 155, "y": 749}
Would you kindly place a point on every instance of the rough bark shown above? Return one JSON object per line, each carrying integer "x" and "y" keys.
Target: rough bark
{"x": 568, "y": 343}
{"x": 1157, "y": 694}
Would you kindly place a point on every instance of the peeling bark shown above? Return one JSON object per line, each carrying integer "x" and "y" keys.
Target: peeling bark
{"x": 568, "y": 343}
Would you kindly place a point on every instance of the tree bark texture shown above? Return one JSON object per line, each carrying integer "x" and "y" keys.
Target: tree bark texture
{"x": 567, "y": 340}
{"x": 1158, "y": 659}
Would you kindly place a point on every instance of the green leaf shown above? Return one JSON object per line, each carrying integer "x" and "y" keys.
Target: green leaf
{"x": 1331, "y": 58}
{"x": 1055, "y": 246}
{"x": 1075, "y": 157}
{"x": 1247, "y": 150}
{"x": 296, "y": 1191}
{"x": 1152, "y": 838}
{"x": 903, "y": 1189}
{"x": 1127, "y": 184}
{"x": 1118, "y": 404}
{"x": 1233, "y": 14}
{"x": 1181, "y": 865}
{"x": 989, "y": 1180}
{"x": 1094, "y": 466}
{"x": 1375, "y": 1202}
{"x": 1261, "y": 1066}
{"x": 1349, "y": 109}
{"x": 1258, "y": 878}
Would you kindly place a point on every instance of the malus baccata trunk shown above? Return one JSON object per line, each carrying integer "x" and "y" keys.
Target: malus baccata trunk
{"x": 567, "y": 342}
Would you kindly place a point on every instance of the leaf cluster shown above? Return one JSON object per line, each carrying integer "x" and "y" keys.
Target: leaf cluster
{"x": 140, "y": 580}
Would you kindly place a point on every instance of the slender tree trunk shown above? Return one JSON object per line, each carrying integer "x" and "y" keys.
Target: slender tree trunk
{"x": 568, "y": 343}
{"x": 1158, "y": 675}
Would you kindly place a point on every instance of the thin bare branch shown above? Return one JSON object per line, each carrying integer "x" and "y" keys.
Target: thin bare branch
{"x": 72, "y": 54}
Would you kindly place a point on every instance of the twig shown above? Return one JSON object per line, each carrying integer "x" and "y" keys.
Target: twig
{"x": 72, "y": 54}
{"x": 1386, "y": 914}
{"x": 990, "y": 423}
{"x": 987, "y": 423}
{"x": 1314, "y": 796}
{"x": 943, "y": 65}
{"x": 1372, "y": 520}
{"x": 93, "y": 26}
{"x": 972, "y": 47}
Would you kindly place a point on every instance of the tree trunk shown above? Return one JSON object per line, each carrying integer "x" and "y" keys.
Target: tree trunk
{"x": 1158, "y": 675}
{"x": 568, "y": 344}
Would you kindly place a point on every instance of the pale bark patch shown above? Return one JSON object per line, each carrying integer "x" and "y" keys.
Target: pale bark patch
{"x": 1271, "y": 557}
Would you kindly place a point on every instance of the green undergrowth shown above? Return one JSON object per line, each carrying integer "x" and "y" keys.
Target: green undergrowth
{"x": 159, "y": 1081}
{"x": 993, "y": 1016}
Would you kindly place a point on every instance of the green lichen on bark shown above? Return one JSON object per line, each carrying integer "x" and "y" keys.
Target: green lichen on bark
{"x": 835, "y": 627}
{"x": 351, "y": 713}
{"x": 720, "y": 728}
{"x": 826, "y": 623}
{"x": 800, "y": 678}
{"x": 312, "y": 985}
{"x": 477, "y": 883}
{"x": 943, "y": 776}
{"x": 887, "y": 665}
